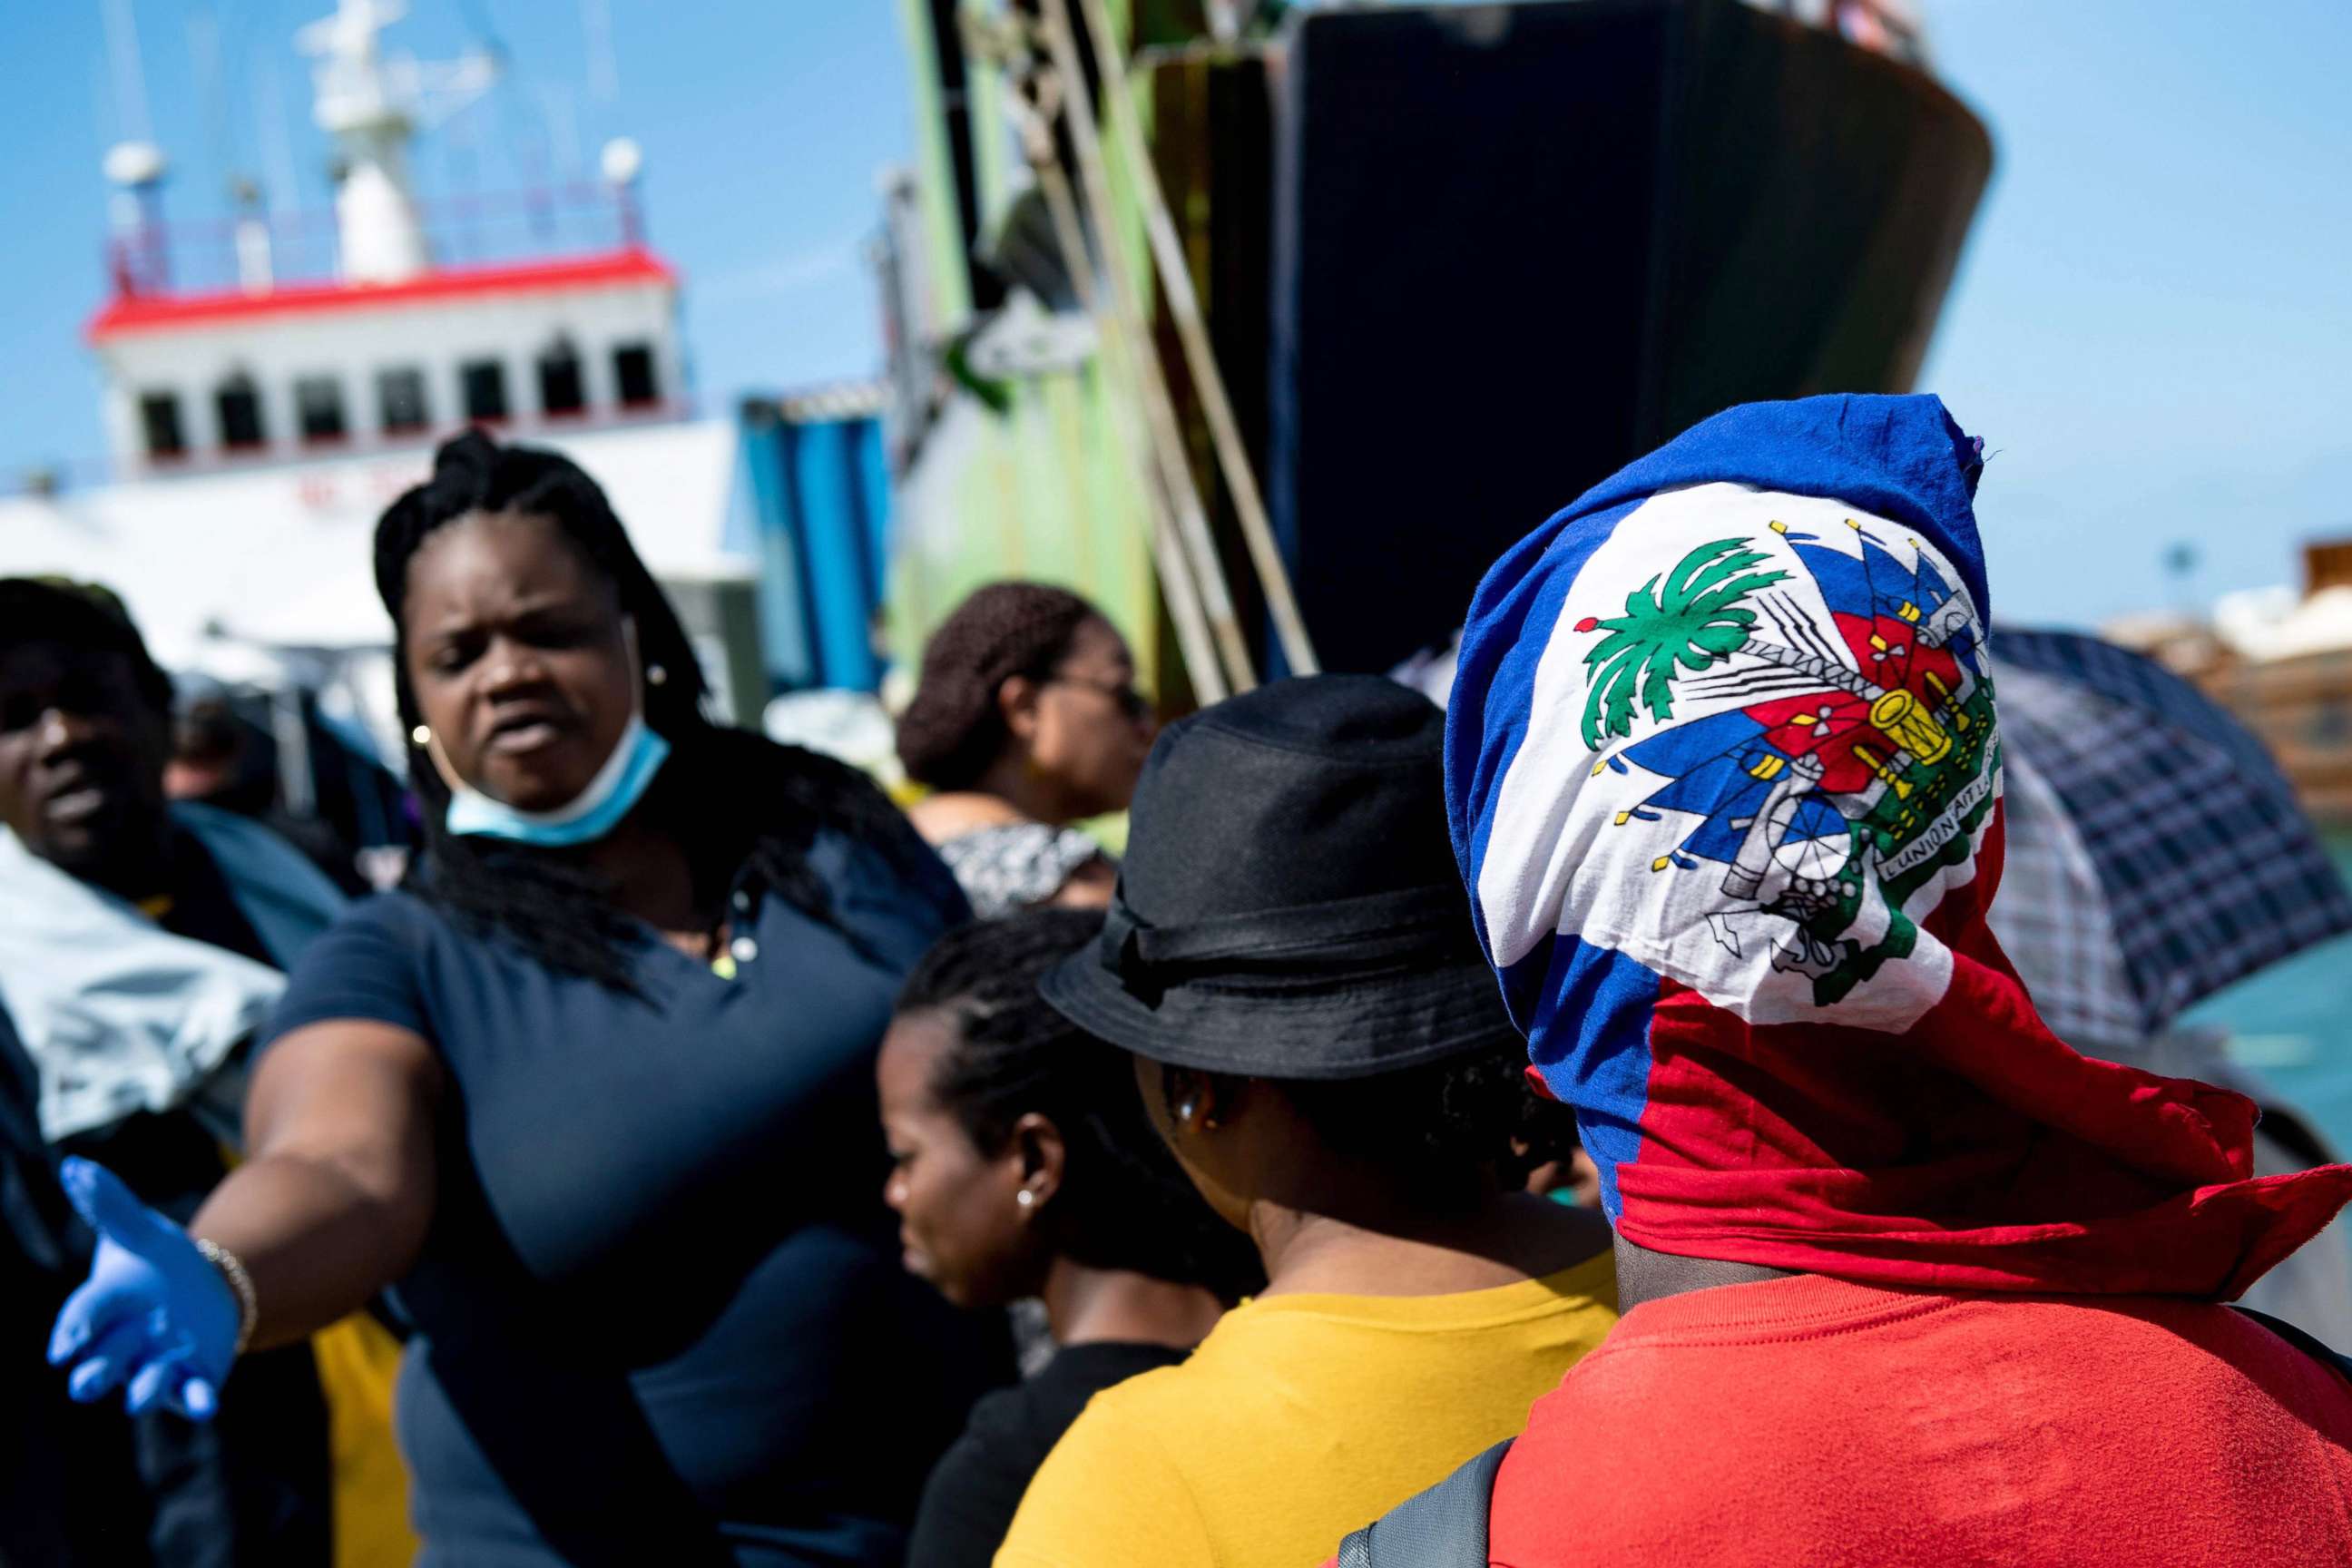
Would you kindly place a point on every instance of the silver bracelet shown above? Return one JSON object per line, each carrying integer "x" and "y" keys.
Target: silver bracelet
{"x": 240, "y": 1285}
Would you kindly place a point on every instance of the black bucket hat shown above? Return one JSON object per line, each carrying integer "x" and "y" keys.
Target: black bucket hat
{"x": 1289, "y": 906}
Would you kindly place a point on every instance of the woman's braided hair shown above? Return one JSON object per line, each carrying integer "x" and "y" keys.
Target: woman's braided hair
{"x": 735, "y": 800}
{"x": 1123, "y": 1203}
{"x": 952, "y": 729}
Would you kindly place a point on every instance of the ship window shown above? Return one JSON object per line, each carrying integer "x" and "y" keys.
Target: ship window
{"x": 485, "y": 385}
{"x": 559, "y": 382}
{"x": 159, "y": 419}
{"x": 318, "y": 408}
{"x": 633, "y": 373}
{"x": 238, "y": 403}
{"x": 399, "y": 394}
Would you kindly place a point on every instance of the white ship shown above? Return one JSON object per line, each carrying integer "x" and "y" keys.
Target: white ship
{"x": 258, "y": 422}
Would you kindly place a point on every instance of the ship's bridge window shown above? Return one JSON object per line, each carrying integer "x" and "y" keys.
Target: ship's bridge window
{"x": 400, "y": 398}
{"x": 484, "y": 381}
{"x": 318, "y": 408}
{"x": 159, "y": 422}
{"x": 239, "y": 404}
{"x": 559, "y": 381}
{"x": 632, "y": 375}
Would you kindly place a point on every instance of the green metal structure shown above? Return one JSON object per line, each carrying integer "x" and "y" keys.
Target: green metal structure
{"x": 1024, "y": 477}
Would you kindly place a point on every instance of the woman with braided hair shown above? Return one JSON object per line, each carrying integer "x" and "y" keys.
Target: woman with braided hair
{"x": 593, "y": 1094}
{"x": 1022, "y": 1167}
{"x": 1025, "y": 719}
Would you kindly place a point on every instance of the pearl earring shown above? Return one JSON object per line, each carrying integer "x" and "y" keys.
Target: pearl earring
{"x": 656, "y": 675}
{"x": 422, "y": 736}
{"x": 1025, "y": 1198}
{"x": 1184, "y": 1110}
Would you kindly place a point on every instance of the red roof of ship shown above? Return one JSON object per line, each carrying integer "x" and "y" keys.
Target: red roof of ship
{"x": 127, "y": 314}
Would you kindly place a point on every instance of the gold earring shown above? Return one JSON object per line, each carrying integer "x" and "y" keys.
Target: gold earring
{"x": 422, "y": 736}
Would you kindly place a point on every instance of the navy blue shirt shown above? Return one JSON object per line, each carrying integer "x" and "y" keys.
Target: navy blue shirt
{"x": 660, "y": 1313}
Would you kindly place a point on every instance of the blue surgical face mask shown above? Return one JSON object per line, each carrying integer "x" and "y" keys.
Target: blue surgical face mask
{"x": 594, "y": 811}
{"x": 592, "y": 814}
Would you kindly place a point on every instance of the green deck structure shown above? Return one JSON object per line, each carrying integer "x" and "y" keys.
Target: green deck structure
{"x": 1043, "y": 488}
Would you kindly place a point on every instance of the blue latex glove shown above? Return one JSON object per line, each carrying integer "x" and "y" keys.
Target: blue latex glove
{"x": 154, "y": 1312}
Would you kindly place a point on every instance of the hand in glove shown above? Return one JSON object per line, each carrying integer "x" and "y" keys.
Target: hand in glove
{"x": 155, "y": 1313}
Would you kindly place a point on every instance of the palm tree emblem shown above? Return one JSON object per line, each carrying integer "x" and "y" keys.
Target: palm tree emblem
{"x": 1690, "y": 616}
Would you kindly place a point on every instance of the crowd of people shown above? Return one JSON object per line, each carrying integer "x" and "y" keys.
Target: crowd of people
{"x": 688, "y": 1127}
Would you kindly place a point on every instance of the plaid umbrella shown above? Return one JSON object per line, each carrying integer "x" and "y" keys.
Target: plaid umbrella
{"x": 2155, "y": 851}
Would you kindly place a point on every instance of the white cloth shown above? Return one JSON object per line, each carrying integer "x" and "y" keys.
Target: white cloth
{"x": 118, "y": 1014}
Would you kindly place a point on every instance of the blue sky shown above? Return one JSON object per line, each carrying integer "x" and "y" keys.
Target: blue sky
{"x": 2152, "y": 325}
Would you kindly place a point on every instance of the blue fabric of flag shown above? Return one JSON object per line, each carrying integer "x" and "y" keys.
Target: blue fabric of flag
{"x": 1894, "y": 457}
{"x": 1724, "y": 776}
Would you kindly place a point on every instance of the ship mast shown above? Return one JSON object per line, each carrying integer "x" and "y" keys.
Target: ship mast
{"x": 372, "y": 106}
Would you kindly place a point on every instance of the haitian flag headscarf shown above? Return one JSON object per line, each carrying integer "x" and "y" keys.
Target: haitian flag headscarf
{"x": 1723, "y": 769}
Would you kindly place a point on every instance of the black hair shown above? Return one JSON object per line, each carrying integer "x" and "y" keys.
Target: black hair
{"x": 737, "y": 801}
{"x": 952, "y": 729}
{"x": 1123, "y": 1203}
{"x": 1448, "y": 1131}
{"x": 84, "y": 616}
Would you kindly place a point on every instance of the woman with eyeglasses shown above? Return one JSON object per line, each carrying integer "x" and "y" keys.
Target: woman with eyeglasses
{"x": 1025, "y": 719}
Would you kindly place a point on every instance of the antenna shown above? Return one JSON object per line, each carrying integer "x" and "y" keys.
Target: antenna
{"x": 560, "y": 116}
{"x": 204, "y": 54}
{"x": 280, "y": 183}
{"x": 136, "y": 170}
{"x": 130, "y": 80}
{"x": 255, "y": 271}
{"x": 134, "y": 166}
{"x": 373, "y": 106}
{"x": 603, "y": 65}
{"x": 623, "y": 162}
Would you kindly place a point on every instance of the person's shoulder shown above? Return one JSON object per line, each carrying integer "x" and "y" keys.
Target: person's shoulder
{"x": 1048, "y": 1402}
{"x": 999, "y": 1413}
{"x": 1002, "y": 1444}
{"x": 255, "y": 856}
{"x": 1112, "y": 1482}
{"x": 372, "y": 964}
{"x": 2173, "y": 1339}
{"x": 953, "y": 813}
{"x": 1148, "y": 1398}
{"x": 969, "y": 1497}
{"x": 215, "y": 828}
{"x": 1136, "y": 1428}
{"x": 399, "y": 913}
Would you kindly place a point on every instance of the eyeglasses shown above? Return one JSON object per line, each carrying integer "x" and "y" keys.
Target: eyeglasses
{"x": 1132, "y": 705}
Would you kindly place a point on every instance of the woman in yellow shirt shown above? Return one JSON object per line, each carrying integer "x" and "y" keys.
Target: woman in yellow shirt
{"x": 1290, "y": 960}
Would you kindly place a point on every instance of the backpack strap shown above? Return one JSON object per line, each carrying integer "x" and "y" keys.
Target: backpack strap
{"x": 2309, "y": 1344}
{"x": 1445, "y": 1527}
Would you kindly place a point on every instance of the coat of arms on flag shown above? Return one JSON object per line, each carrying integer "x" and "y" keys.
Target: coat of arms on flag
{"x": 1858, "y": 749}
{"x": 1781, "y": 713}
{"x": 1724, "y": 775}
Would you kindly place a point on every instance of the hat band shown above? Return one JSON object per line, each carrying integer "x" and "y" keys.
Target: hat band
{"x": 1343, "y": 934}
